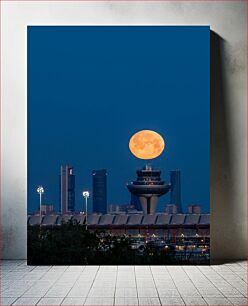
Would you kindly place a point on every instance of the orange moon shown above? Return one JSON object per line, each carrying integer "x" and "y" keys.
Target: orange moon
{"x": 146, "y": 144}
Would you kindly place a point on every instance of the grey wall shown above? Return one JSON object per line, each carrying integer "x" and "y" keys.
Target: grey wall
{"x": 228, "y": 105}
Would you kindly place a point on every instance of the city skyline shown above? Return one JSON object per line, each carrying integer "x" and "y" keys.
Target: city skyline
{"x": 84, "y": 105}
{"x": 99, "y": 179}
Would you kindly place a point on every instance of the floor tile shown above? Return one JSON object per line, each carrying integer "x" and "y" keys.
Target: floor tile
{"x": 75, "y": 269}
{"x": 192, "y": 292}
{"x": 145, "y": 283}
{"x": 147, "y": 292}
{"x": 99, "y": 301}
{"x": 103, "y": 283}
{"x": 7, "y": 301}
{"x": 210, "y": 292}
{"x": 41, "y": 268}
{"x": 125, "y": 283}
{"x": 58, "y": 291}
{"x": 217, "y": 301}
{"x": 50, "y": 301}
{"x": 166, "y": 301}
{"x": 165, "y": 284}
{"x": 164, "y": 292}
{"x": 73, "y": 301}
{"x": 102, "y": 292}
{"x": 79, "y": 291}
{"x": 108, "y": 268}
{"x": 194, "y": 301}
{"x": 230, "y": 292}
{"x": 26, "y": 301}
{"x": 37, "y": 290}
{"x": 126, "y": 292}
{"x": 122, "y": 301}
{"x": 239, "y": 301}
{"x": 149, "y": 301}
{"x": 58, "y": 268}
{"x": 11, "y": 292}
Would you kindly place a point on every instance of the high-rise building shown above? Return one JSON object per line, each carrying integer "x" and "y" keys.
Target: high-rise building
{"x": 99, "y": 181}
{"x": 66, "y": 189}
{"x": 194, "y": 209}
{"x": 171, "y": 209}
{"x": 148, "y": 187}
{"x": 175, "y": 191}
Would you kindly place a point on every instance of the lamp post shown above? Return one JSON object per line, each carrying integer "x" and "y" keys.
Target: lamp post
{"x": 40, "y": 191}
{"x": 86, "y": 195}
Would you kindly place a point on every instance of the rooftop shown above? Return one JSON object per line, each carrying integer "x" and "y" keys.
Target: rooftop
{"x": 158, "y": 219}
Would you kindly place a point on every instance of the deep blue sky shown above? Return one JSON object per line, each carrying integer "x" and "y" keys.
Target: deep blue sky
{"x": 90, "y": 88}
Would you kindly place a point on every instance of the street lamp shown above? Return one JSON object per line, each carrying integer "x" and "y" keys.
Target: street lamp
{"x": 86, "y": 195}
{"x": 40, "y": 191}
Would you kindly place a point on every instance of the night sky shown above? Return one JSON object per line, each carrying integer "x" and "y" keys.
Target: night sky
{"x": 90, "y": 88}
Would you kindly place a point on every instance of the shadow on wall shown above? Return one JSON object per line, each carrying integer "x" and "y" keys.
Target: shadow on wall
{"x": 224, "y": 231}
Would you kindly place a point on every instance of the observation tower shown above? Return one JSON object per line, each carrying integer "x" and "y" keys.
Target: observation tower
{"x": 148, "y": 187}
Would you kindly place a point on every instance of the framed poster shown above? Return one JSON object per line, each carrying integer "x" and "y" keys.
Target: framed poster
{"x": 118, "y": 145}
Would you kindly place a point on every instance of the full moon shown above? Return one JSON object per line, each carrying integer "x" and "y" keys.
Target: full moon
{"x": 146, "y": 144}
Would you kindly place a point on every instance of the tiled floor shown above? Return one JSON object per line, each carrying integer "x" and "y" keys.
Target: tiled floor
{"x": 123, "y": 285}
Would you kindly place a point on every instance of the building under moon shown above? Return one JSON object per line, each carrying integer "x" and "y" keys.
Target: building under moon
{"x": 148, "y": 187}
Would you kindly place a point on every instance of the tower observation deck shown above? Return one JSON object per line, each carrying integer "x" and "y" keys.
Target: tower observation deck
{"x": 148, "y": 187}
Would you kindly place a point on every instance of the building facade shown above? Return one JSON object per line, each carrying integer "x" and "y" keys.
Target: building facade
{"x": 66, "y": 189}
{"x": 99, "y": 184}
{"x": 175, "y": 190}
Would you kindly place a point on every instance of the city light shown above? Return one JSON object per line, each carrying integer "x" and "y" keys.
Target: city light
{"x": 86, "y": 195}
{"x": 40, "y": 191}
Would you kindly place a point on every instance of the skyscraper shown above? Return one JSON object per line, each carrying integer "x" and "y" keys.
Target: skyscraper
{"x": 175, "y": 191}
{"x": 99, "y": 182}
{"x": 66, "y": 189}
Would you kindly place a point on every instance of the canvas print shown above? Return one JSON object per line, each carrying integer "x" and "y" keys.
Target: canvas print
{"x": 118, "y": 145}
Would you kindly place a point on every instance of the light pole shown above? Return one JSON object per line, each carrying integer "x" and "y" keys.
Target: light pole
{"x": 40, "y": 191}
{"x": 86, "y": 195}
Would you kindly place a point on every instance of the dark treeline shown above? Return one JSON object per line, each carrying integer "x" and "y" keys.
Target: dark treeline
{"x": 72, "y": 244}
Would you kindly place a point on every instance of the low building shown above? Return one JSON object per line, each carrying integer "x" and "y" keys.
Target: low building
{"x": 121, "y": 208}
{"x": 116, "y": 208}
{"x": 194, "y": 209}
{"x": 168, "y": 226}
{"x": 171, "y": 209}
{"x": 46, "y": 209}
